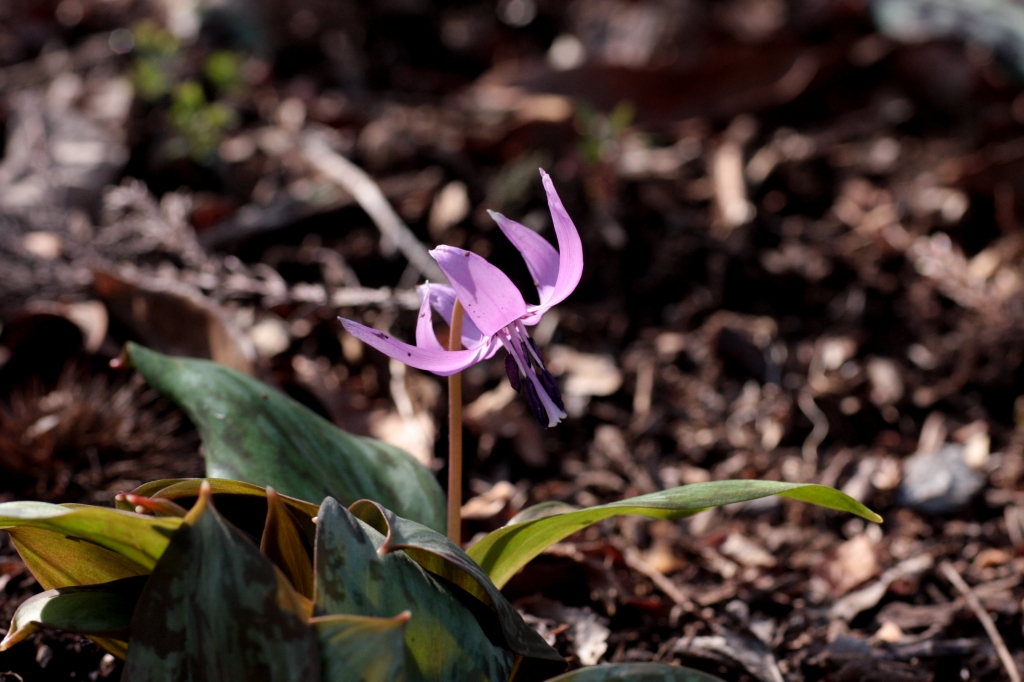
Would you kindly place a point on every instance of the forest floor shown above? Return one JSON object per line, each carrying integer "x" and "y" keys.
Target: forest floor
{"x": 803, "y": 262}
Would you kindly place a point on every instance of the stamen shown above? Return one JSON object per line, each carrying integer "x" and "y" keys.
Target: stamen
{"x": 532, "y": 388}
{"x": 533, "y": 345}
{"x": 512, "y": 372}
{"x": 535, "y": 403}
{"x": 547, "y": 381}
{"x": 534, "y": 350}
{"x": 513, "y": 352}
{"x": 551, "y": 387}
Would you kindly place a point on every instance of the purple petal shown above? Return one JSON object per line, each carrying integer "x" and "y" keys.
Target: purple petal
{"x": 570, "y": 249}
{"x": 541, "y": 258}
{"x": 425, "y": 337}
{"x": 442, "y": 362}
{"x": 487, "y": 294}
{"x": 442, "y": 298}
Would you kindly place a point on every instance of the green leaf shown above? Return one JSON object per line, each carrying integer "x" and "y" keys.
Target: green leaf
{"x": 216, "y": 609}
{"x": 362, "y": 648}
{"x": 636, "y": 672}
{"x": 254, "y": 433}
{"x": 542, "y": 510}
{"x": 57, "y": 560}
{"x": 444, "y": 558}
{"x": 103, "y": 611}
{"x": 285, "y": 529}
{"x": 139, "y": 539}
{"x": 502, "y": 553}
{"x": 445, "y": 636}
{"x": 286, "y": 545}
{"x": 184, "y": 488}
{"x": 243, "y": 504}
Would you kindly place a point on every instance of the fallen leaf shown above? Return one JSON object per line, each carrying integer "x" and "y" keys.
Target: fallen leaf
{"x": 855, "y": 561}
{"x": 174, "y": 318}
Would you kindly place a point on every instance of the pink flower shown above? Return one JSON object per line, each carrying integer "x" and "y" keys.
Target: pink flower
{"x": 496, "y": 313}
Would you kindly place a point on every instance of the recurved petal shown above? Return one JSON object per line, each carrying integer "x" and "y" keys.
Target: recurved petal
{"x": 442, "y": 362}
{"x": 541, "y": 258}
{"x": 570, "y": 249}
{"x": 442, "y": 299}
{"x": 489, "y": 297}
{"x": 425, "y": 337}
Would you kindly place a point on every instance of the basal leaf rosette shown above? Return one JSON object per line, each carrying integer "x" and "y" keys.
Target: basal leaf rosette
{"x": 226, "y": 596}
{"x": 288, "y": 590}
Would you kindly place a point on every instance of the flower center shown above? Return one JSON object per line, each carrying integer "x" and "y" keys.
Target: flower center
{"x": 539, "y": 388}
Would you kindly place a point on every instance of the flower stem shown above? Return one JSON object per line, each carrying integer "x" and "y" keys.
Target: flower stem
{"x": 455, "y": 433}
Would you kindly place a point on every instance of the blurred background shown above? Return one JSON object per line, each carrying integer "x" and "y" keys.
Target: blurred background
{"x": 803, "y": 261}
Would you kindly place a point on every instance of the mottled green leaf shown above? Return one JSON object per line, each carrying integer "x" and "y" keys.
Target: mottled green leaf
{"x": 138, "y": 538}
{"x": 254, "y": 433}
{"x": 286, "y": 545}
{"x": 450, "y": 636}
{"x": 243, "y": 504}
{"x": 362, "y": 648}
{"x": 502, "y": 553}
{"x": 636, "y": 672}
{"x": 103, "y": 611}
{"x": 216, "y": 609}
{"x": 188, "y": 489}
{"x": 444, "y": 558}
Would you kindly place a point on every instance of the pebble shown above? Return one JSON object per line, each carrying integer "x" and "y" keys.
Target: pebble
{"x": 939, "y": 482}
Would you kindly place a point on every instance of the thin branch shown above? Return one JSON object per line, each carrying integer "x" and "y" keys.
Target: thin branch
{"x": 660, "y": 580}
{"x": 818, "y": 419}
{"x": 986, "y": 620}
{"x": 362, "y": 187}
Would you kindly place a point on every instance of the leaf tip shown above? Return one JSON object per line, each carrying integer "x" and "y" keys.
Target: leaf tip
{"x": 123, "y": 360}
{"x": 203, "y": 502}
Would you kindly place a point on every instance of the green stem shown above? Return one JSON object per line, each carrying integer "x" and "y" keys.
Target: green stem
{"x": 455, "y": 433}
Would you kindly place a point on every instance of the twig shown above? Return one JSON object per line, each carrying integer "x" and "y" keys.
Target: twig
{"x": 661, "y": 581}
{"x": 854, "y": 603}
{"x": 365, "y": 191}
{"x": 644, "y": 390}
{"x": 986, "y": 620}
{"x": 1014, "y": 516}
{"x": 355, "y": 297}
{"x": 455, "y": 433}
{"x": 817, "y": 435}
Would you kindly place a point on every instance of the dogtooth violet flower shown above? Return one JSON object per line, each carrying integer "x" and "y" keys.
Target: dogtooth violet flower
{"x": 496, "y": 314}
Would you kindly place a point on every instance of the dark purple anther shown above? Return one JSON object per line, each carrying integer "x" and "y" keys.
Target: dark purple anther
{"x": 526, "y": 354}
{"x": 536, "y": 348}
{"x": 512, "y": 372}
{"x": 551, "y": 388}
{"x": 533, "y": 400}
